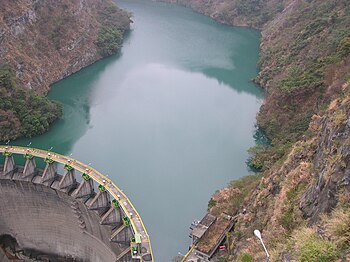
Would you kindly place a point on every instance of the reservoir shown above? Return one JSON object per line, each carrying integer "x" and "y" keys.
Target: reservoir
{"x": 169, "y": 119}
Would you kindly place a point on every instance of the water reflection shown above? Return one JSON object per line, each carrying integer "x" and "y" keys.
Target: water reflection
{"x": 169, "y": 120}
{"x": 75, "y": 95}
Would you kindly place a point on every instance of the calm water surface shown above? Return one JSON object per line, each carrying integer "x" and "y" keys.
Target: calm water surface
{"x": 169, "y": 119}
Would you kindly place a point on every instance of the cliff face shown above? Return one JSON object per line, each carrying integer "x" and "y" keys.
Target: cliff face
{"x": 44, "y": 41}
{"x": 300, "y": 201}
{"x": 305, "y": 192}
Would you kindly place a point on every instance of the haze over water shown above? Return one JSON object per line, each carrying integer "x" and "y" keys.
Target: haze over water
{"x": 169, "y": 119}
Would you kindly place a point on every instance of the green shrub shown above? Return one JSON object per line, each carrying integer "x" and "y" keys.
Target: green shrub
{"x": 287, "y": 219}
{"x": 317, "y": 249}
{"x": 259, "y": 159}
{"x": 211, "y": 203}
{"x": 245, "y": 257}
{"x": 344, "y": 47}
{"x": 308, "y": 246}
{"x": 22, "y": 112}
{"x": 109, "y": 40}
{"x": 7, "y": 79}
{"x": 299, "y": 78}
{"x": 338, "y": 227}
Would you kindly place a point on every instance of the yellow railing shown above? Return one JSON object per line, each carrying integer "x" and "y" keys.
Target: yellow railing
{"x": 188, "y": 253}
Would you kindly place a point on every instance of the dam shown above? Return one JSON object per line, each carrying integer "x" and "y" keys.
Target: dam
{"x": 175, "y": 108}
{"x": 52, "y": 217}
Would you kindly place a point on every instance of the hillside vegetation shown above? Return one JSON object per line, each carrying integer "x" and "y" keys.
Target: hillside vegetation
{"x": 42, "y": 42}
{"x": 300, "y": 199}
{"x": 302, "y": 50}
{"x": 23, "y": 113}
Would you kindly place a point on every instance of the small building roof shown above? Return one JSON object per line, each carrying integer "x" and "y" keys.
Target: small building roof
{"x": 199, "y": 231}
{"x": 215, "y": 234}
{"x": 203, "y": 225}
{"x": 207, "y": 220}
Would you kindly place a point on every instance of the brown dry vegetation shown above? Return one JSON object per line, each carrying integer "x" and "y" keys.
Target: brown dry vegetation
{"x": 42, "y": 42}
{"x": 305, "y": 70}
{"x": 308, "y": 188}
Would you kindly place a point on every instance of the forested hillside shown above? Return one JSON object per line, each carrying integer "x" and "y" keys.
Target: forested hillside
{"x": 42, "y": 42}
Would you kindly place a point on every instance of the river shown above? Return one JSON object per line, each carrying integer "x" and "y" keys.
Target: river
{"x": 169, "y": 119}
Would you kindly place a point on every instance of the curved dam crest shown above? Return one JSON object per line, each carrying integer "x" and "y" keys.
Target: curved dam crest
{"x": 169, "y": 119}
{"x": 115, "y": 226}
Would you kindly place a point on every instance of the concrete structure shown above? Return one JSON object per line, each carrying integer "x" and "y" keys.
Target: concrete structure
{"x": 53, "y": 216}
{"x": 202, "y": 227}
{"x": 207, "y": 236}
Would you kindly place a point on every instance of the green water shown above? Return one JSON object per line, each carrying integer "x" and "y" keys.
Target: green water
{"x": 169, "y": 119}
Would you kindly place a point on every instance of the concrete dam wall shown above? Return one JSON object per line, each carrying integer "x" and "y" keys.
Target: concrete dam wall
{"x": 51, "y": 224}
{"x": 48, "y": 216}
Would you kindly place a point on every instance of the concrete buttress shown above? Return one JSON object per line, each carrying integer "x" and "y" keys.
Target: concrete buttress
{"x": 29, "y": 168}
{"x": 122, "y": 235}
{"x": 101, "y": 202}
{"x": 9, "y": 166}
{"x": 85, "y": 190}
{"x": 68, "y": 181}
{"x": 112, "y": 217}
{"x": 49, "y": 174}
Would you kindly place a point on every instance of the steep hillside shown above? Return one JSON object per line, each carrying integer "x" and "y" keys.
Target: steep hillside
{"x": 300, "y": 200}
{"x": 304, "y": 198}
{"x": 251, "y": 13}
{"x": 44, "y": 41}
{"x": 300, "y": 53}
{"x": 300, "y": 42}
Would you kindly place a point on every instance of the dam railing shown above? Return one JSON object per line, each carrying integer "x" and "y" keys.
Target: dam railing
{"x": 140, "y": 244}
